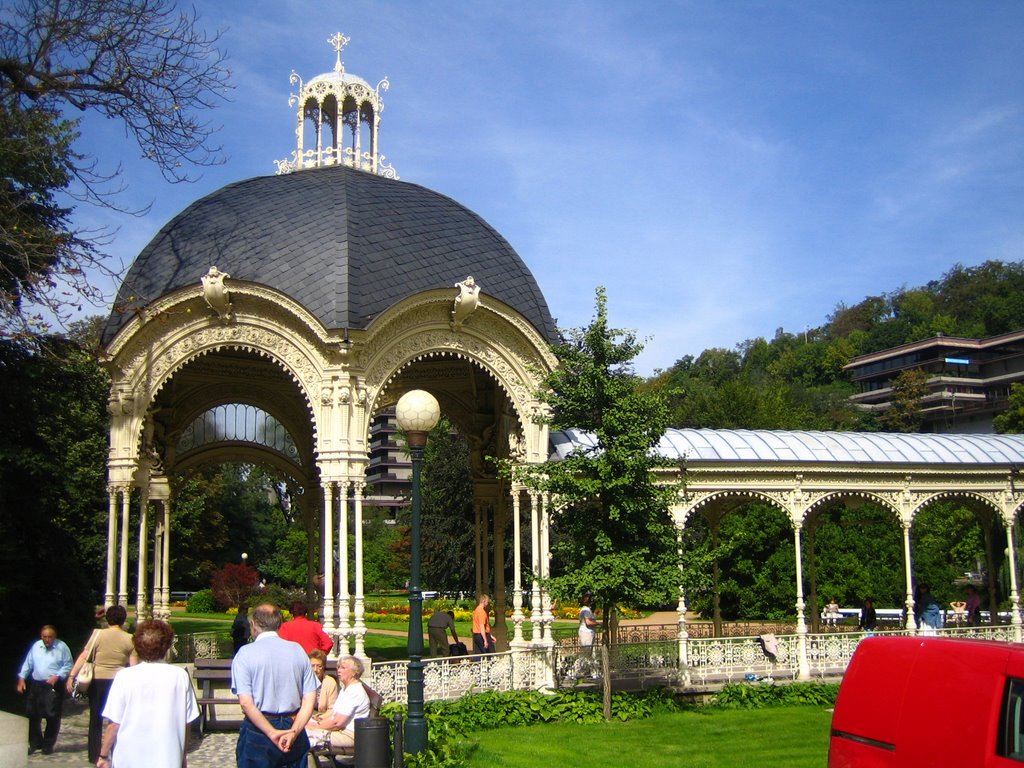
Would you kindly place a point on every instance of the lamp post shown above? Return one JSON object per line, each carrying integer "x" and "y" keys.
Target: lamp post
{"x": 417, "y": 413}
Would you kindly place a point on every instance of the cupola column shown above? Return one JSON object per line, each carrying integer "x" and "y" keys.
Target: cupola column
{"x": 355, "y": 102}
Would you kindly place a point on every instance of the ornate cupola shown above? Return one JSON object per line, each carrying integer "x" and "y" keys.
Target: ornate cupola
{"x": 338, "y": 118}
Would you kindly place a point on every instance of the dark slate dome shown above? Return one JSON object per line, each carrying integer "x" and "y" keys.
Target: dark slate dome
{"x": 343, "y": 243}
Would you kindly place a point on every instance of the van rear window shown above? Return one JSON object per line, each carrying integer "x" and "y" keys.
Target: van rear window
{"x": 1011, "y": 725}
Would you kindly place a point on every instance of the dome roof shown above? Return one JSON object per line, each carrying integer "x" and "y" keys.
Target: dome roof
{"x": 339, "y": 78}
{"x": 343, "y": 243}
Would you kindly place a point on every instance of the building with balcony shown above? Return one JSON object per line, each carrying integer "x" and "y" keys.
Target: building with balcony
{"x": 969, "y": 379}
{"x": 389, "y": 473}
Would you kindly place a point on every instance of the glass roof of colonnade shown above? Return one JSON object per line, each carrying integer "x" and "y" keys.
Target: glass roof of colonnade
{"x": 829, "y": 447}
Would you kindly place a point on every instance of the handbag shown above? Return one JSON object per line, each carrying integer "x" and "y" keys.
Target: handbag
{"x": 84, "y": 677}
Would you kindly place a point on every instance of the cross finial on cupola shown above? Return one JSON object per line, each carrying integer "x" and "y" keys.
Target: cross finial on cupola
{"x": 339, "y": 119}
{"x": 339, "y": 41}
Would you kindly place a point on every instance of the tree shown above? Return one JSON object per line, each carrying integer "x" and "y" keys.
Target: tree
{"x": 615, "y": 537}
{"x": 141, "y": 62}
{"x": 232, "y": 584}
{"x": 448, "y": 543}
{"x": 904, "y": 413}
{"x": 1012, "y": 421}
{"x": 53, "y": 448}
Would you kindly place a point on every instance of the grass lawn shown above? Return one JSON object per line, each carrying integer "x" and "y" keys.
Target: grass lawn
{"x": 775, "y": 737}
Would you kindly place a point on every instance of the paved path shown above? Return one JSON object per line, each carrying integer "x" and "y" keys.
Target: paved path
{"x": 215, "y": 750}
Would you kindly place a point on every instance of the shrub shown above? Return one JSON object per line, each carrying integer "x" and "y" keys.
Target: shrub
{"x": 201, "y": 602}
{"x": 757, "y": 695}
{"x": 232, "y": 584}
{"x": 280, "y": 596}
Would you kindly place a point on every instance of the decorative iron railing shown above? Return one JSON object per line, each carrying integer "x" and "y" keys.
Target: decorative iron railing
{"x": 644, "y": 653}
{"x": 200, "y": 645}
{"x": 452, "y": 677}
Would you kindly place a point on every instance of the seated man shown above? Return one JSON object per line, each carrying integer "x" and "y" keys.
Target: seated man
{"x": 337, "y": 729}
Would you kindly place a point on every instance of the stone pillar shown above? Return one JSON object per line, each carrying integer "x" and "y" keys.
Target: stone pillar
{"x": 535, "y": 608}
{"x": 908, "y": 571}
{"x": 517, "y": 568}
{"x": 327, "y": 558}
{"x": 360, "y": 621}
{"x": 801, "y": 622}
{"x": 142, "y": 609}
{"x": 158, "y": 564}
{"x": 122, "y": 583}
{"x": 166, "y": 585}
{"x": 545, "y": 562}
{"x": 682, "y": 634}
{"x": 1015, "y": 621}
{"x": 344, "y": 603}
{"x": 110, "y": 596}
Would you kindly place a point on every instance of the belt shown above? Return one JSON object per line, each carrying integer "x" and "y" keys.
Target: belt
{"x": 279, "y": 714}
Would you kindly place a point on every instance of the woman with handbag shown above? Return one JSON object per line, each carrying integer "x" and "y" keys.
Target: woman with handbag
{"x": 107, "y": 651}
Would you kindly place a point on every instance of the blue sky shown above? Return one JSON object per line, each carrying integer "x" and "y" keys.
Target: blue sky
{"x": 722, "y": 168}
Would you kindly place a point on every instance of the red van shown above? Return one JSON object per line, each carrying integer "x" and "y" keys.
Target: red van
{"x": 930, "y": 702}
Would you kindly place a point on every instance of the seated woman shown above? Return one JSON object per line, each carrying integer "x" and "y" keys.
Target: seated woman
{"x": 327, "y": 693}
{"x": 338, "y": 729}
{"x": 832, "y": 614}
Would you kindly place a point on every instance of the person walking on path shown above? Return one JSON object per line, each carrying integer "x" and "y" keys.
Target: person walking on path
{"x": 43, "y": 675}
{"x": 973, "y": 607}
{"x": 483, "y": 640}
{"x": 149, "y": 706}
{"x": 111, "y": 650}
{"x": 927, "y": 611}
{"x": 240, "y": 628}
{"x": 308, "y": 634}
{"x": 437, "y": 627}
{"x": 276, "y": 689}
{"x": 588, "y": 622}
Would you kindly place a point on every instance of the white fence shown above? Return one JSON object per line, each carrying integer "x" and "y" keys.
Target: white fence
{"x": 654, "y": 656}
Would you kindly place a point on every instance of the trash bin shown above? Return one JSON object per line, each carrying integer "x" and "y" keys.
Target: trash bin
{"x": 373, "y": 742}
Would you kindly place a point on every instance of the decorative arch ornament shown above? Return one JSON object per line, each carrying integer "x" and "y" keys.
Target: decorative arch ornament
{"x": 495, "y": 338}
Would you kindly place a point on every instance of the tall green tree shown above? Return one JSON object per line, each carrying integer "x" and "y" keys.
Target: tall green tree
{"x": 53, "y": 449}
{"x": 447, "y": 497}
{"x": 615, "y": 537}
{"x": 144, "y": 63}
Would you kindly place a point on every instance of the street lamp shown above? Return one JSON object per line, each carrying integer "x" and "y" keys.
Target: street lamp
{"x": 417, "y": 413}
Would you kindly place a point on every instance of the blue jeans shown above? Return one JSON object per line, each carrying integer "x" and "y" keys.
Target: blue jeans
{"x": 255, "y": 750}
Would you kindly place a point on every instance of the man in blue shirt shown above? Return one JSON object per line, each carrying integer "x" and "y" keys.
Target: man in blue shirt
{"x": 276, "y": 688}
{"x": 43, "y": 673}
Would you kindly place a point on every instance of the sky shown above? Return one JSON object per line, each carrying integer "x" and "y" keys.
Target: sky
{"x": 722, "y": 169}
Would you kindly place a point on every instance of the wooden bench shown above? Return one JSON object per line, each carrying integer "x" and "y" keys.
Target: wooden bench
{"x": 213, "y": 676}
{"x": 222, "y": 712}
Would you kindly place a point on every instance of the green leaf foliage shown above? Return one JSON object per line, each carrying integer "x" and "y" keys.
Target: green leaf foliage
{"x": 1012, "y": 421}
{"x": 758, "y": 695}
{"x": 53, "y": 450}
{"x": 613, "y": 534}
{"x": 448, "y": 516}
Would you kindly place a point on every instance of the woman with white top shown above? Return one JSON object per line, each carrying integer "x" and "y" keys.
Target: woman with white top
{"x": 149, "y": 707}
